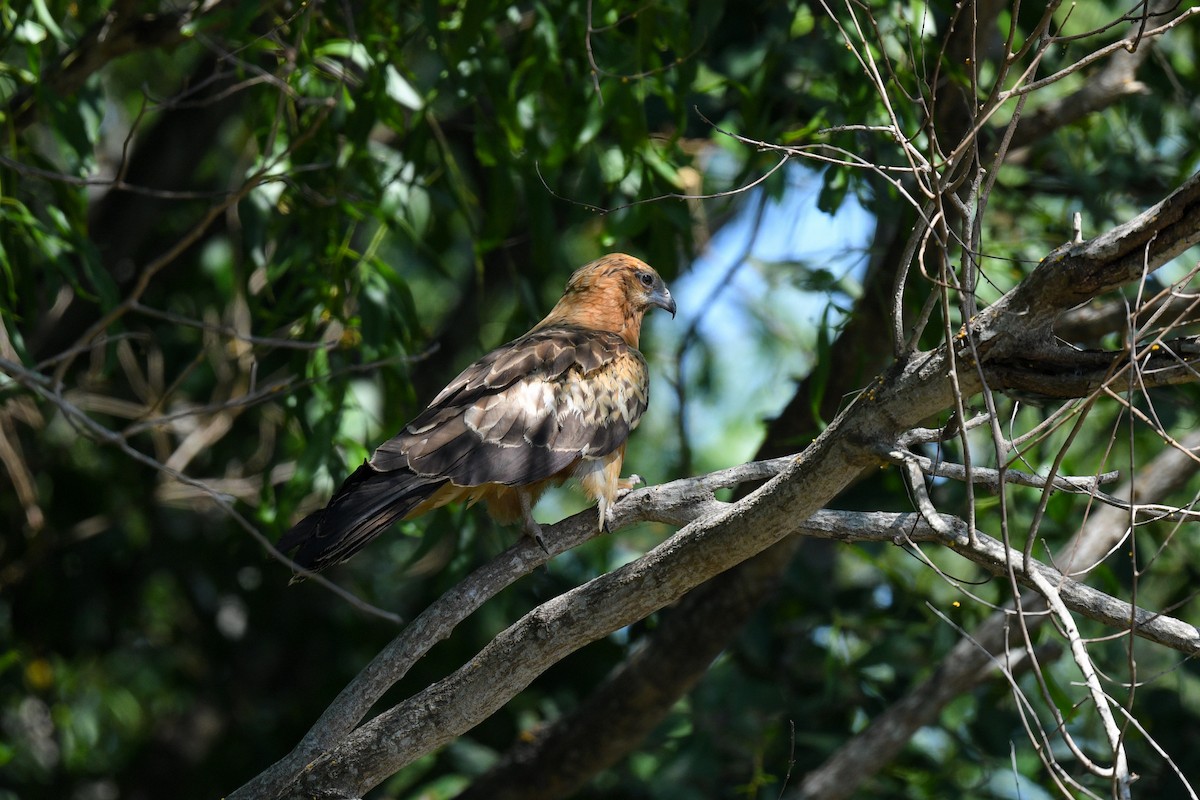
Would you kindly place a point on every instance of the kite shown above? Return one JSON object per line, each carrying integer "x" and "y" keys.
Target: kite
{"x": 555, "y": 404}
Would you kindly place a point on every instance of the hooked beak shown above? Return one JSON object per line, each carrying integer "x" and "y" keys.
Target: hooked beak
{"x": 662, "y": 298}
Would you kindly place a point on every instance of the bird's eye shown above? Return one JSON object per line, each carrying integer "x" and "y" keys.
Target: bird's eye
{"x": 646, "y": 278}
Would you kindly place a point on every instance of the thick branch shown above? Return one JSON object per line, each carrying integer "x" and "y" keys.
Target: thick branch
{"x": 1064, "y": 372}
{"x": 1090, "y": 323}
{"x": 726, "y": 537}
{"x": 1076, "y": 273}
{"x": 677, "y": 502}
{"x": 563, "y": 756}
{"x": 434, "y": 716}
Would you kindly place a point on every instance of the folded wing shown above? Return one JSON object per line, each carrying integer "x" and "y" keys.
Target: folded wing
{"x": 525, "y": 413}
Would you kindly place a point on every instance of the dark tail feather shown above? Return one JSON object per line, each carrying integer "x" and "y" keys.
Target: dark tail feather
{"x": 366, "y": 505}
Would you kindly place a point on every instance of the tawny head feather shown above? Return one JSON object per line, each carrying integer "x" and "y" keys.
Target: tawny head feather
{"x": 611, "y": 293}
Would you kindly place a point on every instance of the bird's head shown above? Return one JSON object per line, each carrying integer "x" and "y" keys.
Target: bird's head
{"x": 612, "y": 293}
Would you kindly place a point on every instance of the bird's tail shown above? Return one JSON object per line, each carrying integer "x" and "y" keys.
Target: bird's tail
{"x": 366, "y": 505}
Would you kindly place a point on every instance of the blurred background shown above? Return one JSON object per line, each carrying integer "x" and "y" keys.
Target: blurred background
{"x": 243, "y": 243}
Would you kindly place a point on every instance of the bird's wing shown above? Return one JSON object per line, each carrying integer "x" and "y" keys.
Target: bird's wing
{"x": 526, "y": 411}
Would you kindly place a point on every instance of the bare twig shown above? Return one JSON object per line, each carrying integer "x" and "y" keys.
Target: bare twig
{"x": 991, "y": 477}
{"x": 1119, "y": 772}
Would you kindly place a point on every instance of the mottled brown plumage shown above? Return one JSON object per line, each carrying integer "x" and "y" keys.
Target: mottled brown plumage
{"x": 555, "y": 404}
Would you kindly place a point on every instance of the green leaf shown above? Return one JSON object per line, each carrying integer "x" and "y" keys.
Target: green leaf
{"x": 29, "y": 32}
{"x": 802, "y": 22}
{"x": 402, "y": 91}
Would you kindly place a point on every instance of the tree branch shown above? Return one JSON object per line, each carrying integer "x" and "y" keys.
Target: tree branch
{"x": 991, "y": 477}
{"x": 677, "y": 502}
{"x": 1092, "y": 322}
{"x": 1064, "y": 372}
{"x": 1076, "y": 273}
{"x": 562, "y": 756}
{"x": 437, "y": 714}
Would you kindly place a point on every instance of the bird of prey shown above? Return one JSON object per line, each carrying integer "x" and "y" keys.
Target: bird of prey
{"x": 555, "y": 404}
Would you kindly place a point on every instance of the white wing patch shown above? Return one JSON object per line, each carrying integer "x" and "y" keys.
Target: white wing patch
{"x": 522, "y": 406}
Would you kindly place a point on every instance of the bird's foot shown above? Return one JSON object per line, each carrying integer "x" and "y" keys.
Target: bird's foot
{"x": 627, "y": 485}
{"x": 624, "y": 487}
{"x": 528, "y": 523}
{"x": 534, "y": 531}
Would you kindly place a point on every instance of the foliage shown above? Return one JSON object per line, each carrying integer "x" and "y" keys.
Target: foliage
{"x": 241, "y": 244}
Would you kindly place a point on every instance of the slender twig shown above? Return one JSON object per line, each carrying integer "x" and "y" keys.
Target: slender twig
{"x": 1119, "y": 771}
{"x": 991, "y": 477}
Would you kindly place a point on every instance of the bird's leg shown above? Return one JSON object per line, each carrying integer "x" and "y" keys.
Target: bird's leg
{"x": 623, "y": 487}
{"x": 528, "y": 523}
{"x": 605, "y": 514}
